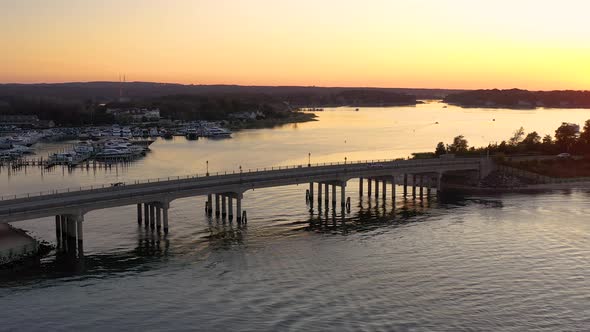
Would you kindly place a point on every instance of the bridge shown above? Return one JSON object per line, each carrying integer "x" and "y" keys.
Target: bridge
{"x": 153, "y": 197}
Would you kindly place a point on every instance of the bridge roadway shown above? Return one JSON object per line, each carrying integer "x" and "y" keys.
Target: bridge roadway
{"x": 153, "y": 197}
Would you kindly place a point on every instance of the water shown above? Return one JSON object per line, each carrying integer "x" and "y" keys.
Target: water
{"x": 511, "y": 262}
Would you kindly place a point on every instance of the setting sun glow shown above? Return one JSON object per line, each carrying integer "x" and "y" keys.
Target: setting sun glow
{"x": 421, "y": 43}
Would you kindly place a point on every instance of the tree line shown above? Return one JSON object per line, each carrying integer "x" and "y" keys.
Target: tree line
{"x": 567, "y": 139}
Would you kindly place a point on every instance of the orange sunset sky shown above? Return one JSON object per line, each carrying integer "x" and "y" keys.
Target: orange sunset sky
{"x": 415, "y": 43}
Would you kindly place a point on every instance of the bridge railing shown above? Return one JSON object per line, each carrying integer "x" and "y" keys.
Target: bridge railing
{"x": 122, "y": 185}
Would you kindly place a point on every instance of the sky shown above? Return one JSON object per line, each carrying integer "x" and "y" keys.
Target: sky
{"x": 465, "y": 44}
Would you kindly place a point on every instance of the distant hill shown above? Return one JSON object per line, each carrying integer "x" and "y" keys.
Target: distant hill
{"x": 109, "y": 91}
{"x": 516, "y": 98}
{"x": 82, "y": 103}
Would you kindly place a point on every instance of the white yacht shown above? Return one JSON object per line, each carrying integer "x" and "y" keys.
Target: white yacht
{"x": 216, "y": 132}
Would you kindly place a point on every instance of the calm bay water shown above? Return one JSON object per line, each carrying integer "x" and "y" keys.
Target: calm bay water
{"x": 510, "y": 262}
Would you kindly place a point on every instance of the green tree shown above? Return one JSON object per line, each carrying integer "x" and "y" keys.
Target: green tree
{"x": 440, "y": 149}
{"x": 566, "y": 135}
{"x": 532, "y": 140}
{"x": 517, "y": 136}
{"x": 585, "y": 135}
{"x": 459, "y": 145}
{"x": 547, "y": 140}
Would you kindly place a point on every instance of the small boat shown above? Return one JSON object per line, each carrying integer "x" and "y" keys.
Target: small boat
{"x": 216, "y": 132}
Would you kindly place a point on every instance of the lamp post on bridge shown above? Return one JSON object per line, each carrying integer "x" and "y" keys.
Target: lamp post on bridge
{"x": 207, "y": 168}
{"x": 309, "y": 159}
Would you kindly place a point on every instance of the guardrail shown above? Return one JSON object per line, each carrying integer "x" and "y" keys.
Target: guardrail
{"x": 124, "y": 185}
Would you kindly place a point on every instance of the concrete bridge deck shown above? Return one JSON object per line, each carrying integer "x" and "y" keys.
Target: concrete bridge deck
{"x": 153, "y": 197}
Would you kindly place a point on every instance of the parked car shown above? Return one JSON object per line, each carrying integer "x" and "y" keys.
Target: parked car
{"x": 564, "y": 155}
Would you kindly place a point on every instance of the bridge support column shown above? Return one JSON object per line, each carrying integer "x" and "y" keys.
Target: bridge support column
{"x": 376, "y": 188}
{"x": 343, "y": 195}
{"x": 405, "y": 185}
{"x": 64, "y": 232}
{"x": 414, "y": 186}
{"x": 393, "y": 187}
{"x": 239, "y": 207}
{"x": 165, "y": 208}
{"x": 361, "y": 187}
{"x": 139, "y": 217}
{"x": 217, "y": 212}
{"x": 439, "y": 188}
{"x": 58, "y": 230}
{"x": 80, "y": 234}
{"x": 369, "y": 187}
{"x": 421, "y": 187}
{"x": 230, "y": 207}
{"x": 384, "y": 189}
{"x": 319, "y": 194}
{"x": 72, "y": 233}
{"x": 158, "y": 217}
{"x": 327, "y": 192}
{"x": 223, "y": 206}
{"x": 334, "y": 196}
{"x": 152, "y": 216}
{"x": 146, "y": 214}
{"x": 209, "y": 205}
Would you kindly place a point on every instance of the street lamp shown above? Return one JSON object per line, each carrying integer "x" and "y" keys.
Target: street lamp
{"x": 207, "y": 168}
{"x": 345, "y": 160}
{"x": 309, "y": 159}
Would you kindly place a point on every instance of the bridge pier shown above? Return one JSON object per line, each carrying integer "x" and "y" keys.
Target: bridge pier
{"x": 146, "y": 214}
{"x": 139, "y": 218}
{"x": 209, "y": 205}
{"x": 405, "y": 185}
{"x": 158, "y": 217}
{"x": 384, "y": 189}
{"x": 376, "y": 188}
{"x": 413, "y": 186}
{"x": 80, "y": 233}
{"x": 58, "y": 230}
{"x": 319, "y": 195}
{"x": 230, "y": 206}
{"x": 421, "y": 187}
{"x": 152, "y": 216}
{"x": 343, "y": 195}
{"x": 311, "y": 193}
{"x": 334, "y": 196}
{"x": 327, "y": 192}
{"x": 239, "y": 207}
{"x": 165, "y": 208}
{"x": 217, "y": 212}
{"x": 223, "y": 206}
{"x": 393, "y": 187}
{"x": 369, "y": 187}
{"x": 360, "y": 187}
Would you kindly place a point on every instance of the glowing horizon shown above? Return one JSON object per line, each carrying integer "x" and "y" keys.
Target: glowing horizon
{"x": 453, "y": 44}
